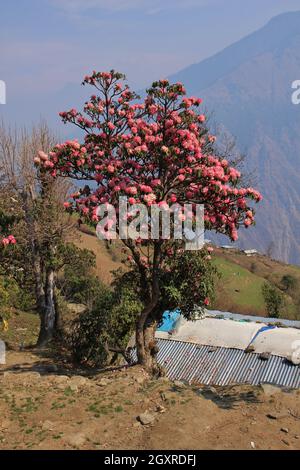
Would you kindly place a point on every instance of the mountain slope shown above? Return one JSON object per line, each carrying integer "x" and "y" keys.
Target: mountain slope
{"x": 247, "y": 86}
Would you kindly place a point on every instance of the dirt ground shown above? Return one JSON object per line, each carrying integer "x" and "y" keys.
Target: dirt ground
{"x": 45, "y": 406}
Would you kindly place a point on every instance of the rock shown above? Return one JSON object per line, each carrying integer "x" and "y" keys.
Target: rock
{"x": 8, "y": 375}
{"x": 76, "y": 440}
{"x": 140, "y": 379}
{"x": 168, "y": 396}
{"x": 103, "y": 382}
{"x": 146, "y": 418}
{"x": 25, "y": 378}
{"x": 73, "y": 387}
{"x": 48, "y": 425}
{"x": 252, "y": 444}
{"x": 265, "y": 356}
{"x": 79, "y": 381}
{"x": 160, "y": 409}
{"x": 61, "y": 381}
{"x": 270, "y": 389}
{"x": 284, "y": 430}
{"x": 31, "y": 375}
{"x": 178, "y": 384}
{"x": 286, "y": 442}
{"x": 4, "y": 424}
{"x": 212, "y": 349}
{"x": 275, "y": 415}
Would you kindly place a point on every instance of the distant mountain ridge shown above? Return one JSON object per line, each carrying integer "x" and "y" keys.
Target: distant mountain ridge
{"x": 248, "y": 88}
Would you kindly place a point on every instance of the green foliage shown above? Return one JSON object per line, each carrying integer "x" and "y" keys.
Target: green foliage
{"x": 289, "y": 282}
{"x": 188, "y": 282}
{"x": 107, "y": 325}
{"x": 274, "y": 300}
{"x": 6, "y": 221}
{"x": 11, "y": 296}
{"x": 77, "y": 282}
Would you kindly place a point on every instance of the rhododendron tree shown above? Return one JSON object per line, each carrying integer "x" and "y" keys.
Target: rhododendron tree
{"x": 157, "y": 151}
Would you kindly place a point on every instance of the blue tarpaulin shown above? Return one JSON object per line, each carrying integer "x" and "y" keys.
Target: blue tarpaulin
{"x": 169, "y": 320}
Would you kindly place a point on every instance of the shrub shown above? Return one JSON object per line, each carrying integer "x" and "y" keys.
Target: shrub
{"x": 289, "y": 282}
{"x": 98, "y": 334}
{"x": 274, "y": 300}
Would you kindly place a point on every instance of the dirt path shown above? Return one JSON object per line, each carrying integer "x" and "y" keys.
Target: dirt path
{"x": 43, "y": 406}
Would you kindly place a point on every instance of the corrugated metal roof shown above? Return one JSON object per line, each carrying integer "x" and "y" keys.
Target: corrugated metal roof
{"x": 252, "y": 318}
{"x": 209, "y": 365}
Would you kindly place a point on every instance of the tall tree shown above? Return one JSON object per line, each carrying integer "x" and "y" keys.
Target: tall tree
{"x": 43, "y": 223}
{"x": 157, "y": 152}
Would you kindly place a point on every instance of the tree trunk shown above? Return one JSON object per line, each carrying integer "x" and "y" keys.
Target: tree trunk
{"x": 38, "y": 277}
{"x": 146, "y": 345}
{"x": 48, "y": 315}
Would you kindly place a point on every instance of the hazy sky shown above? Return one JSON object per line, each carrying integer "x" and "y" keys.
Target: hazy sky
{"x": 47, "y": 44}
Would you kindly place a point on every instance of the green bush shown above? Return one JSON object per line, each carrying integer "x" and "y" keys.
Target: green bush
{"x": 289, "y": 282}
{"x": 274, "y": 300}
{"x": 105, "y": 328}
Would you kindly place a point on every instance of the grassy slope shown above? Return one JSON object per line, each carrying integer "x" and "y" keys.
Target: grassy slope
{"x": 239, "y": 288}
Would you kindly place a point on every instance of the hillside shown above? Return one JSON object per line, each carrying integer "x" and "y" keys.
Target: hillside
{"x": 239, "y": 288}
{"x": 247, "y": 89}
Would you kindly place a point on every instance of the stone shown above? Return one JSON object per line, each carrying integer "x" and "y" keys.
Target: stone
{"x": 79, "y": 381}
{"x": 146, "y": 418}
{"x": 140, "y": 379}
{"x": 76, "y": 440}
{"x": 103, "y": 382}
{"x": 4, "y": 424}
{"x": 31, "y": 375}
{"x": 61, "y": 381}
{"x": 48, "y": 425}
{"x": 286, "y": 442}
{"x": 284, "y": 430}
{"x": 168, "y": 396}
{"x": 270, "y": 389}
{"x": 275, "y": 415}
{"x": 178, "y": 384}
{"x": 252, "y": 444}
{"x": 265, "y": 356}
{"x": 160, "y": 409}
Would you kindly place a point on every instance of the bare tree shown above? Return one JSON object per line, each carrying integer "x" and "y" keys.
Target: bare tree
{"x": 44, "y": 224}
